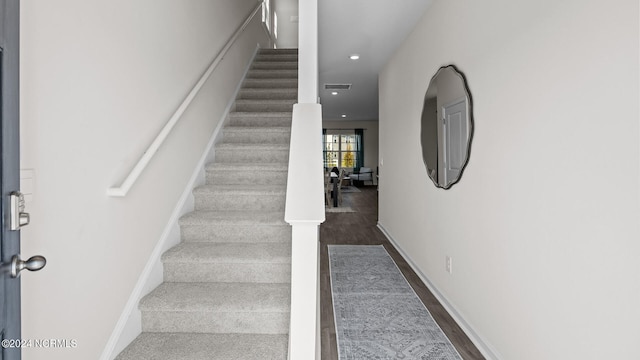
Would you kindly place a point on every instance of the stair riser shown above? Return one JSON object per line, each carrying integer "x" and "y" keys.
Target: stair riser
{"x": 275, "y": 65}
{"x": 290, "y": 84}
{"x": 260, "y": 121}
{"x": 230, "y": 177}
{"x": 272, "y": 74}
{"x": 290, "y": 51}
{"x": 233, "y": 233}
{"x": 258, "y": 106}
{"x": 251, "y": 156}
{"x": 253, "y": 137}
{"x": 154, "y": 346}
{"x": 264, "y": 94}
{"x": 216, "y": 322}
{"x": 225, "y": 272}
{"x": 235, "y": 202}
{"x": 262, "y": 57}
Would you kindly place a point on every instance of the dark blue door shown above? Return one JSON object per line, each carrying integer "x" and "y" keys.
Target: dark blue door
{"x": 10, "y": 175}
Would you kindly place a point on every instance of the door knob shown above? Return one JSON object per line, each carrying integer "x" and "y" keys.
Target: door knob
{"x": 34, "y": 263}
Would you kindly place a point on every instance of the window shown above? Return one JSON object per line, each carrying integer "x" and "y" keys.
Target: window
{"x": 266, "y": 14}
{"x": 341, "y": 150}
{"x": 275, "y": 25}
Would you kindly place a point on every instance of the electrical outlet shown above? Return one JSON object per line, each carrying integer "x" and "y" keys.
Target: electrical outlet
{"x": 448, "y": 264}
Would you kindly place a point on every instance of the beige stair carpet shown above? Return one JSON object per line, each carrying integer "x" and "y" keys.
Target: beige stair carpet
{"x": 226, "y": 290}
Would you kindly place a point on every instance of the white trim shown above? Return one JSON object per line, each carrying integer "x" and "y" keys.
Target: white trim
{"x": 308, "y": 52}
{"x": 123, "y": 189}
{"x": 483, "y": 346}
{"x": 128, "y": 324}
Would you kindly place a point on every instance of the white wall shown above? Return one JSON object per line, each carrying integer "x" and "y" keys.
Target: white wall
{"x": 371, "y": 140}
{"x": 99, "y": 80}
{"x": 287, "y": 27}
{"x": 543, "y": 227}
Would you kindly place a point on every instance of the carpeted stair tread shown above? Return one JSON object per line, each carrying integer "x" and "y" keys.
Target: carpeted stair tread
{"x": 273, "y": 94}
{"x": 226, "y": 226}
{"x": 247, "y": 173}
{"x": 217, "y": 297}
{"x": 240, "y": 102}
{"x": 276, "y": 57}
{"x": 261, "y": 118}
{"x": 231, "y": 253}
{"x": 265, "y": 104}
{"x": 271, "y": 84}
{"x": 257, "y": 135}
{"x": 257, "y": 129}
{"x": 217, "y": 307}
{"x": 155, "y": 346}
{"x": 256, "y": 167}
{"x": 239, "y": 218}
{"x": 282, "y": 64}
{"x": 272, "y": 74}
{"x": 240, "y": 197}
{"x": 246, "y": 262}
{"x": 253, "y": 146}
{"x": 280, "y": 51}
{"x": 242, "y": 189}
{"x": 249, "y": 119}
{"x": 251, "y": 153}
{"x": 261, "y": 114}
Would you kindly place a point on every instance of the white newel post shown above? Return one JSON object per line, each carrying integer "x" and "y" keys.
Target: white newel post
{"x": 305, "y": 212}
{"x": 305, "y": 194}
{"x": 304, "y": 293}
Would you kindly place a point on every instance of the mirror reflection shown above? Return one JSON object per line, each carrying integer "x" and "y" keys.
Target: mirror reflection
{"x": 446, "y": 127}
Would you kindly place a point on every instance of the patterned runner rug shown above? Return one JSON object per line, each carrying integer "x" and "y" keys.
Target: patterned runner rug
{"x": 377, "y": 313}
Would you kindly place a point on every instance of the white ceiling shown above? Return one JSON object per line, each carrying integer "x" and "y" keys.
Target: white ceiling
{"x": 372, "y": 29}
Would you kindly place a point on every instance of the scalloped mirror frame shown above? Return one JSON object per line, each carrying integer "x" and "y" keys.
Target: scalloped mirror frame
{"x": 432, "y": 138}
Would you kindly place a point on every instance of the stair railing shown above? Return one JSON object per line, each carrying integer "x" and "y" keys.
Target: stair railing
{"x": 134, "y": 174}
{"x": 305, "y": 194}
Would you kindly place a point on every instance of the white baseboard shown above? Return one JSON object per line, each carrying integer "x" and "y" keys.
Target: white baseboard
{"x": 129, "y": 325}
{"x": 483, "y": 346}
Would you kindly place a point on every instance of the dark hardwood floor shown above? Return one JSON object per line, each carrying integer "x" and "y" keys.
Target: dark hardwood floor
{"x": 359, "y": 228}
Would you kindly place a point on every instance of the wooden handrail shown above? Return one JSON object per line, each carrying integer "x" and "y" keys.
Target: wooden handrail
{"x": 137, "y": 170}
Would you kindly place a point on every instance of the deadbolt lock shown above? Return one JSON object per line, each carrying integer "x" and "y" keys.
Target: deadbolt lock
{"x": 18, "y": 217}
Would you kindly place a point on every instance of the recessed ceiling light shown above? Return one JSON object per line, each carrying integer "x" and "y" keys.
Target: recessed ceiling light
{"x": 354, "y": 57}
{"x": 343, "y": 115}
{"x": 334, "y": 93}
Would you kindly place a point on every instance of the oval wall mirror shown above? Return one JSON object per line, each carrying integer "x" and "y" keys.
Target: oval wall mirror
{"x": 446, "y": 127}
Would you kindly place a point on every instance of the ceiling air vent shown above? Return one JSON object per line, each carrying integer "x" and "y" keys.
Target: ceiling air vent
{"x": 337, "y": 86}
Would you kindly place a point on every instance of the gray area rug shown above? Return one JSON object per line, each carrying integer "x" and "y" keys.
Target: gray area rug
{"x": 377, "y": 313}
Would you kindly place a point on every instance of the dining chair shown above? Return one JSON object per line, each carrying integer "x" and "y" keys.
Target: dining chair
{"x": 327, "y": 188}
{"x": 340, "y": 178}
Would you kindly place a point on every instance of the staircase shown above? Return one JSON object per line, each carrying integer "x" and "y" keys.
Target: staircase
{"x": 226, "y": 289}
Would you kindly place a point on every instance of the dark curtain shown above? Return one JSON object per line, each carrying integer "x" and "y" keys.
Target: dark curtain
{"x": 324, "y": 149}
{"x": 359, "y": 148}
